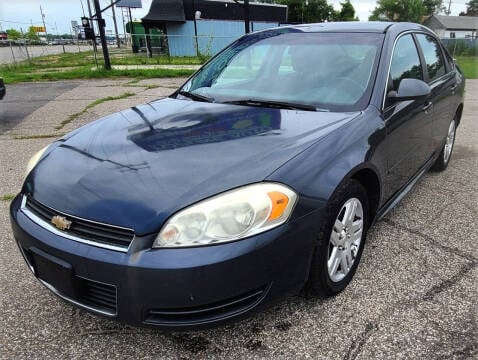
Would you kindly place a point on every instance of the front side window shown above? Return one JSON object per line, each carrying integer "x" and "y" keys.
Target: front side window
{"x": 330, "y": 71}
{"x": 405, "y": 62}
{"x": 433, "y": 56}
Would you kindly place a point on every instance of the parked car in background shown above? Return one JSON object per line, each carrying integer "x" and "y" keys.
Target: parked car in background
{"x": 259, "y": 176}
{"x": 3, "y": 91}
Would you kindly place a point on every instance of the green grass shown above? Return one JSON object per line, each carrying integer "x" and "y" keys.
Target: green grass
{"x": 121, "y": 57}
{"x": 469, "y": 66}
{"x": 7, "y": 197}
{"x": 26, "y": 74}
{"x": 91, "y": 105}
{"x": 81, "y": 65}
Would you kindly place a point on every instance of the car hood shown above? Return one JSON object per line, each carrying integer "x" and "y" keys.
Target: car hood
{"x": 137, "y": 167}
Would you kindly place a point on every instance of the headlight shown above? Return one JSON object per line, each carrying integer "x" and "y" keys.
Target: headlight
{"x": 34, "y": 160}
{"x": 233, "y": 215}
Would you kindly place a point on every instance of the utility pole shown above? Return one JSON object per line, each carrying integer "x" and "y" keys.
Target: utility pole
{"x": 43, "y": 19}
{"x": 131, "y": 31}
{"x": 91, "y": 15}
{"x": 82, "y": 8}
{"x": 449, "y": 8}
{"x": 116, "y": 26}
{"x": 101, "y": 29}
{"x": 95, "y": 49}
{"x": 246, "y": 16}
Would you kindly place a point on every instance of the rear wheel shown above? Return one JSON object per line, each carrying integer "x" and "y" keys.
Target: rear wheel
{"x": 443, "y": 159}
{"x": 341, "y": 240}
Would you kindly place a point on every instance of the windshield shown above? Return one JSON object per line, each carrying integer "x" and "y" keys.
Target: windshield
{"x": 330, "y": 71}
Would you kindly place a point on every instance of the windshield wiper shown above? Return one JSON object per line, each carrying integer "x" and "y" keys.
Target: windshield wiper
{"x": 196, "y": 97}
{"x": 272, "y": 103}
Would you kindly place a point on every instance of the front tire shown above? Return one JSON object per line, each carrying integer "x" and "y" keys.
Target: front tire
{"x": 341, "y": 240}
{"x": 443, "y": 159}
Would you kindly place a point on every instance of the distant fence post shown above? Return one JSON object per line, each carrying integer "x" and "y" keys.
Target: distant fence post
{"x": 147, "y": 47}
{"x": 13, "y": 54}
{"x": 26, "y": 50}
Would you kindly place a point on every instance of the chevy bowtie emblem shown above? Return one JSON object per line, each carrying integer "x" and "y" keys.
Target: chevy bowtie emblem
{"x": 61, "y": 222}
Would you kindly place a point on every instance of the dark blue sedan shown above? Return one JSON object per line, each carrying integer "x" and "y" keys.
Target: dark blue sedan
{"x": 260, "y": 176}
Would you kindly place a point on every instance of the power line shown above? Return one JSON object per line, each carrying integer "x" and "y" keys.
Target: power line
{"x": 19, "y": 22}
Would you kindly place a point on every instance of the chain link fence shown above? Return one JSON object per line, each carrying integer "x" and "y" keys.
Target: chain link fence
{"x": 12, "y": 52}
{"x": 461, "y": 47}
{"x": 180, "y": 45}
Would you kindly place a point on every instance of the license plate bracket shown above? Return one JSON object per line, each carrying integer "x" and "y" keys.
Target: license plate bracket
{"x": 54, "y": 271}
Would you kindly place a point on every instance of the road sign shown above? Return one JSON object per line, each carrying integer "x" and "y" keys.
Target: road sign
{"x": 39, "y": 29}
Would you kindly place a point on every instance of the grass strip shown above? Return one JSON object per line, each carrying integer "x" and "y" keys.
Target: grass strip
{"x": 28, "y": 74}
{"x": 91, "y": 105}
{"x": 7, "y": 197}
{"x": 39, "y": 136}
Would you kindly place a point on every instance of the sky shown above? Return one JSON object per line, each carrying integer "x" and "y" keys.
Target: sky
{"x": 20, "y": 14}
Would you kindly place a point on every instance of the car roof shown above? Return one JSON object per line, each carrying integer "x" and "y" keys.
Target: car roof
{"x": 356, "y": 26}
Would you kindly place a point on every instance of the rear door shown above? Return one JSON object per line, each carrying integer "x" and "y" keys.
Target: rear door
{"x": 440, "y": 75}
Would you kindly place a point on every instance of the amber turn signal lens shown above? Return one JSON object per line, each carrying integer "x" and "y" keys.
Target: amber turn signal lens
{"x": 279, "y": 203}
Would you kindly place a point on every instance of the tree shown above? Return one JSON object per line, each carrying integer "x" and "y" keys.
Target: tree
{"x": 471, "y": 8}
{"x": 32, "y": 35}
{"x": 13, "y": 34}
{"x": 347, "y": 12}
{"x": 308, "y": 11}
{"x": 405, "y": 10}
{"x": 318, "y": 11}
{"x": 433, "y": 6}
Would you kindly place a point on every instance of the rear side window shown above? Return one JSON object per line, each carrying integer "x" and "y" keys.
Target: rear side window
{"x": 405, "y": 61}
{"x": 433, "y": 56}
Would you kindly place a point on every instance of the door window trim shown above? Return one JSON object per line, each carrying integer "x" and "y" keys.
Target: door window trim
{"x": 411, "y": 32}
{"x": 422, "y": 61}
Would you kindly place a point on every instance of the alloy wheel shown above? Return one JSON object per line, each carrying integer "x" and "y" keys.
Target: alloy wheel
{"x": 345, "y": 239}
{"x": 450, "y": 140}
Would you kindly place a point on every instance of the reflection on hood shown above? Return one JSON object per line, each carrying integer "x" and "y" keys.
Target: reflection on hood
{"x": 204, "y": 125}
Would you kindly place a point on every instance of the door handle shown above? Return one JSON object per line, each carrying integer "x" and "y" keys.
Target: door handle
{"x": 453, "y": 88}
{"x": 428, "y": 107}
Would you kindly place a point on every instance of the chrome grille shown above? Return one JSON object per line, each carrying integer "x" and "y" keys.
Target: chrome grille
{"x": 86, "y": 231}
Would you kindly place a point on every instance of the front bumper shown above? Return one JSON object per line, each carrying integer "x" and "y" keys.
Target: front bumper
{"x": 170, "y": 288}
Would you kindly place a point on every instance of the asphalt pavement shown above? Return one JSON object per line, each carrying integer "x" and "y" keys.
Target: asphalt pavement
{"x": 413, "y": 296}
{"x": 23, "y": 99}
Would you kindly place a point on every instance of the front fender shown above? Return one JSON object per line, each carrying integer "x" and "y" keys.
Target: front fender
{"x": 319, "y": 170}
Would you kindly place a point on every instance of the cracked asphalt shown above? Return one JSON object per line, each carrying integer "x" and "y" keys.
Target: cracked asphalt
{"x": 414, "y": 295}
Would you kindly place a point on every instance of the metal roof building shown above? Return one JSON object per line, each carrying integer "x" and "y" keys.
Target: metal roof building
{"x": 465, "y": 27}
{"x": 193, "y": 27}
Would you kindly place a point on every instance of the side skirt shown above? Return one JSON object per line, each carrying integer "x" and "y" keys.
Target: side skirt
{"x": 400, "y": 194}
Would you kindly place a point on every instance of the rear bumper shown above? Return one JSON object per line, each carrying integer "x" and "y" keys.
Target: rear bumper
{"x": 170, "y": 288}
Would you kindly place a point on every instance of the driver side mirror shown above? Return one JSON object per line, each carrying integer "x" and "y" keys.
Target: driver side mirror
{"x": 410, "y": 89}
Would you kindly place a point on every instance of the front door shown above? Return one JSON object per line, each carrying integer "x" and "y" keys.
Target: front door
{"x": 408, "y": 123}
